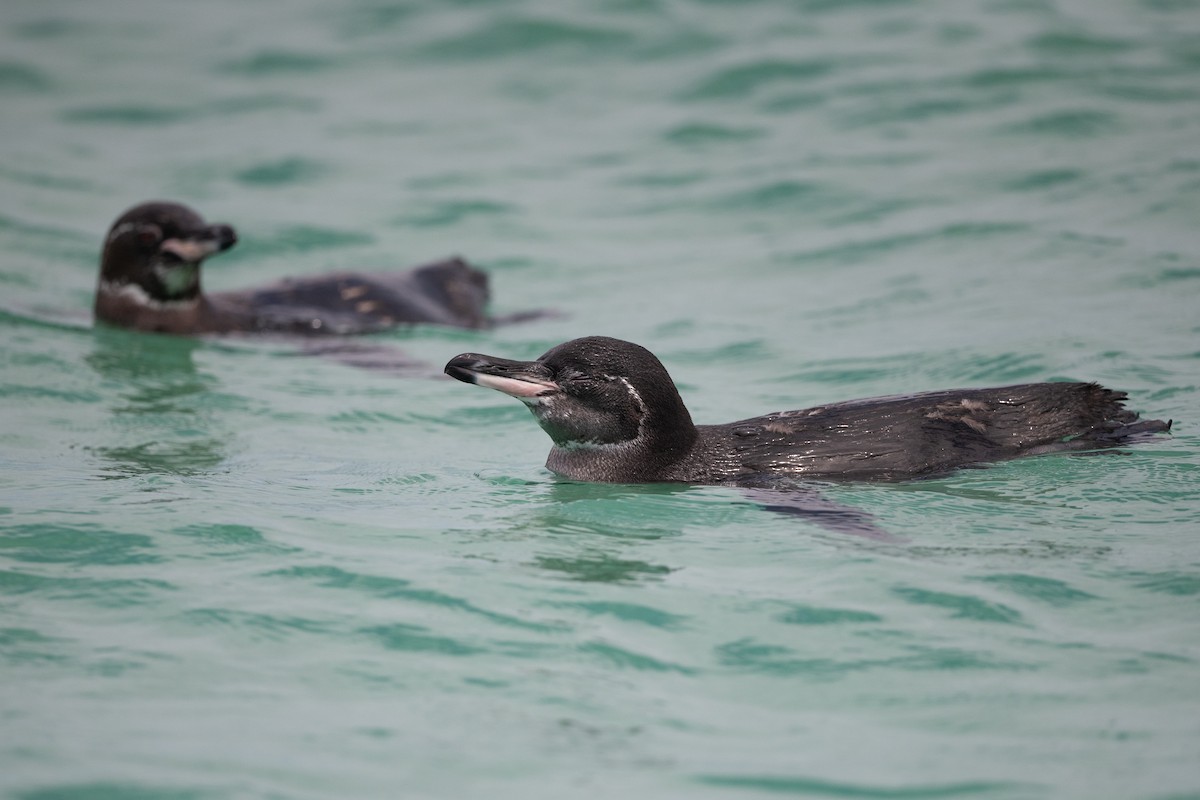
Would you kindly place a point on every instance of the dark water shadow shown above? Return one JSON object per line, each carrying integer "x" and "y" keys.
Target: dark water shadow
{"x": 809, "y": 504}
{"x": 601, "y": 568}
{"x": 162, "y": 405}
{"x": 602, "y": 516}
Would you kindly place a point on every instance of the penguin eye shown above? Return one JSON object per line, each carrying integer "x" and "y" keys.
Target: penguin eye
{"x": 148, "y": 235}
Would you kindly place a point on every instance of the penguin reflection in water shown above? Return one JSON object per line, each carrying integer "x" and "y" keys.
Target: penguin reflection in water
{"x": 614, "y": 415}
{"x": 150, "y": 281}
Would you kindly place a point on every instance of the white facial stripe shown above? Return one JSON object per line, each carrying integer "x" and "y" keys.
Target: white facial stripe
{"x": 637, "y": 398}
{"x": 513, "y": 387}
{"x": 123, "y": 228}
{"x": 139, "y": 297}
{"x": 641, "y": 405}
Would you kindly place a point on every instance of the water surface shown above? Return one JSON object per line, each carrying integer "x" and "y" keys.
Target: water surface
{"x": 230, "y": 570}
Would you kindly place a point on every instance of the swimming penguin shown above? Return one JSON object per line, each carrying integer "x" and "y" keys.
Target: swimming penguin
{"x": 150, "y": 281}
{"x": 615, "y": 416}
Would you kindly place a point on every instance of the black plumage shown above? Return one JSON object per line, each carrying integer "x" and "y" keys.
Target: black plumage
{"x": 150, "y": 280}
{"x": 615, "y": 415}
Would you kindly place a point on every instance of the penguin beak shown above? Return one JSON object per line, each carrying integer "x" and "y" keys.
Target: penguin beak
{"x": 525, "y": 380}
{"x": 194, "y": 249}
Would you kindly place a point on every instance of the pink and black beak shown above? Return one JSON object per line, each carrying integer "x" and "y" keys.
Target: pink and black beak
{"x": 528, "y": 381}
{"x": 192, "y": 247}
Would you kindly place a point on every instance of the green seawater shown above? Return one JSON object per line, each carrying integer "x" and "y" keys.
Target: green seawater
{"x": 229, "y": 569}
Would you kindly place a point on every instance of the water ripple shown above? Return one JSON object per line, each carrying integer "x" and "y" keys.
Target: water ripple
{"x": 698, "y": 134}
{"x": 18, "y": 77}
{"x": 629, "y": 612}
{"x": 744, "y": 79}
{"x": 399, "y": 589}
{"x": 1042, "y": 179}
{"x": 161, "y": 115}
{"x": 283, "y": 172}
{"x": 452, "y": 212}
{"x": 600, "y": 568}
{"x": 1046, "y": 590}
{"x": 516, "y": 36}
{"x": 818, "y": 615}
{"x": 266, "y": 626}
{"x": 1073, "y": 124}
{"x": 962, "y": 606}
{"x": 417, "y": 639}
{"x": 810, "y": 787}
{"x": 301, "y": 238}
{"x": 84, "y": 544}
{"x": 1078, "y": 45}
{"x": 621, "y": 657}
{"x": 790, "y": 196}
{"x": 104, "y": 593}
{"x": 367, "y": 575}
{"x": 1182, "y": 584}
{"x": 1006, "y": 77}
{"x": 750, "y": 655}
{"x": 103, "y": 790}
{"x": 273, "y": 62}
{"x": 862, "y": 250}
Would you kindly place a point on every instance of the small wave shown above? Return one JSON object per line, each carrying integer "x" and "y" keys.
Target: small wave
{"x": 417, "y": 638}
{"x": 1180, "y": 584}
{"x": 629, "y": 612}
{"x": 704, "y": 133}
{"x": 1163, "y": 277}
{"x": 819, "y": 615}
{"x": 452, "y": 212}
{"x": 103, "y": 593}
{"x": 622, "y": 657}
{"x": 907, "y": 110}
{"x": 665, "y": 180}
{"x": 745, "y": 79}
{"x": 1068, "y": 123}
{"x": 810, "y": 787}
{"x": 355, "y": 20}
{"x": 259, "y": 104}
{"x": 147, "y": 115}
{"x": 129, "y": 114}
{"x": 751, "y": 655}
{"x": 513, "y": 37}
{"x": 51, "y": 28}
{"x": 220, "y": 539}
{"x": 76, "y": 544}
{"x": 46, "y": 180}
{"x": 1043, "y": 179}
{"x": 860, "y": 251}
{"x": 274, "y": 62}
{"x": 50, "y": 236}
{"x": 269, "y": 626}
{"x": 192, "y": 457}
{"x": 303, "y": 238}
{"x": 786, "y": 195}
{"x": 960, "y": 606}
{"x": 1078, "y": 45}
{"x": 400, "y": 589}
{"x": 1013, "y": 77}
{"x": 997, "y": 368}
{"x": 283, "y": 172}
{"x": 601, "y": 568}
{"x": 1045, "y": 590}
{"x": 110, "y": 790}
{"x": 17, "y": 77}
